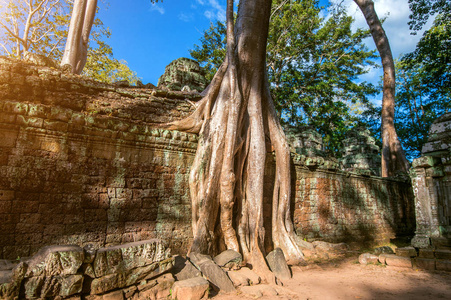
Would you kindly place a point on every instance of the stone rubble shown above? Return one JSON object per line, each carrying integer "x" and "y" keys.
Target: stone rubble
{"x": 64, "y": 271}
{"x": 410, "y": 257}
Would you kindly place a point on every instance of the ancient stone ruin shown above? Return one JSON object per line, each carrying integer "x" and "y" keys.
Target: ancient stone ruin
{"x": 305, "y": 141}
{"x": 183, "y": 73}
{"x": 431, "y": 181}
{"x": 361, "y": 154}
{"x": 83, "y": 163}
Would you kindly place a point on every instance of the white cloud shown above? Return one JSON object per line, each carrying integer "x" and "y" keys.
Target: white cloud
{"x": 396, "y": 28}
{"x": 213, "y": 10}
{"x": 186, "y": 17}
{"x": 157, "y": 7}
{"x": 397, "y": 15}
{"x": 208, "y": 14}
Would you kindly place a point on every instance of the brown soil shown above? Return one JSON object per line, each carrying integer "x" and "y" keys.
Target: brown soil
{"x": 347, "y": 279}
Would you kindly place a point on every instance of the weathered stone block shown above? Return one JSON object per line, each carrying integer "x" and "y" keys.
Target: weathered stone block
{"x": 187, "y": 271}
{"x": 116, "y": 295}
{"x": 190, "y": 289}
{"x": 443, "y": 254}
{"x": 435, "y": 172}
{"x": 212, "y": 272}
{"x": 159, "y": 288}
{"x": 426, "y": 253}
{"x": 368, "y": 258}
{"x": 425, "y": 162}
{"x": 55, "y": 260}
{"x": 424, "y": 263}
{"x": 443, "y": 265}
{"x": 406, "y": 252}
{"x": 238, "y": 279}
{"x": 397, "y": 261}
{"x": 136, "y": 275}
{"x": 33, "y": 286}
{"x": 278, "y": 264}
{"x": 441, "y": 242}
{"x": 383, "y": 249}
{"x": 8, "y": 138}
{"x": 71, "y": 285}
{"x": 51, "y": 287}
{"x": 107, "y": 283}
{"x": 228, "y": 259}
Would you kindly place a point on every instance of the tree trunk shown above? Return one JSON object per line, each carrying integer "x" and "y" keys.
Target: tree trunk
{"x": 233, "y": 120}
{"x": 76, "y": 51}
{"x": 393, "y": 157}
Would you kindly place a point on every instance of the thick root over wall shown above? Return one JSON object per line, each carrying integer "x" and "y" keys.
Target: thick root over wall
{"x": 237, "y": 123}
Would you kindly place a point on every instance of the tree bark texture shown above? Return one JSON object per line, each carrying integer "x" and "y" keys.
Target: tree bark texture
{"x": 393, "y": 157}
{"x": 234, "y": 120}
{"x": 82, "y": 19}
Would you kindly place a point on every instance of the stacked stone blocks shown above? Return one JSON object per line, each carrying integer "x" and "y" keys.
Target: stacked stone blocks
{"x": 83, "y": 162}
{"x": 64, "y": 271}
{"x": 431, "y": 181}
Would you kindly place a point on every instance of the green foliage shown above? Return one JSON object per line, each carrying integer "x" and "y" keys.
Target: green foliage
{"x": 47, "y": 36}
{"x": 415, "y": 110}
{"x": 37, "y": 27}
{"x": 423, "y": 9}
{"x": 212, "y": 51}
{"x": 433, "y": 55}
{"x": 313, "y": 64}
{"x": 424, "y": 76}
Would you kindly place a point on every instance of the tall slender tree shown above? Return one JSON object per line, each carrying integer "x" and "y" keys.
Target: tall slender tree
{"x": 76, "y": 51}
{"x": 393, "y": 157}
{"x": 234, "y": 120}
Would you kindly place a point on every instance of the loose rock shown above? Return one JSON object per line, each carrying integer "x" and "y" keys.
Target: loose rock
{"x": 278, "y": 264}
{"x": 229, "y": 259}
{"x": 190, "y": 289}
{"x": 212, "y": 272}
{"x": 368, "y": 258}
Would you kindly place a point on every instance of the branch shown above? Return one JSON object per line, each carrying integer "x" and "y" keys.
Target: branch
{"x": 56, "y": 45}
{"x": 277, "y": 8}
{"x": 12, "y": 33}
{"x": 6, "y": 50}
{"x": 46, "y": 11}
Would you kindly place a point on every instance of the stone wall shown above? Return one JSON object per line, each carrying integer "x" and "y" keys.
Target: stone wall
{"x": 83, "y": 163}
{"x": 431, "y": 181}
{"x": 336, "y": 206}
{"x": 80, "y": 164}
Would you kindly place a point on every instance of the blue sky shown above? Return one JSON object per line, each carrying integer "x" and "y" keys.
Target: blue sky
{"x": 149, "y": 36}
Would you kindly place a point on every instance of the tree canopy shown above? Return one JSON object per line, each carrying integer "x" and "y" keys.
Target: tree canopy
{"x": 421, "y": 10}
{"x": 424, "y": 76}
{"x": 312, "y": 65}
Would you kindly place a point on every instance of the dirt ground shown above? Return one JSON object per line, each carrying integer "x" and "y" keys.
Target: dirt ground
{"x": 347, "y": 279}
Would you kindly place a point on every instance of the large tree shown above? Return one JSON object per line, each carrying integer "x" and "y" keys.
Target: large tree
{"x": 312, "y": 67}
{"x": 235, "y": 120}
{"x": 76, "y": 51}
{"x": 393, "y": 157}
